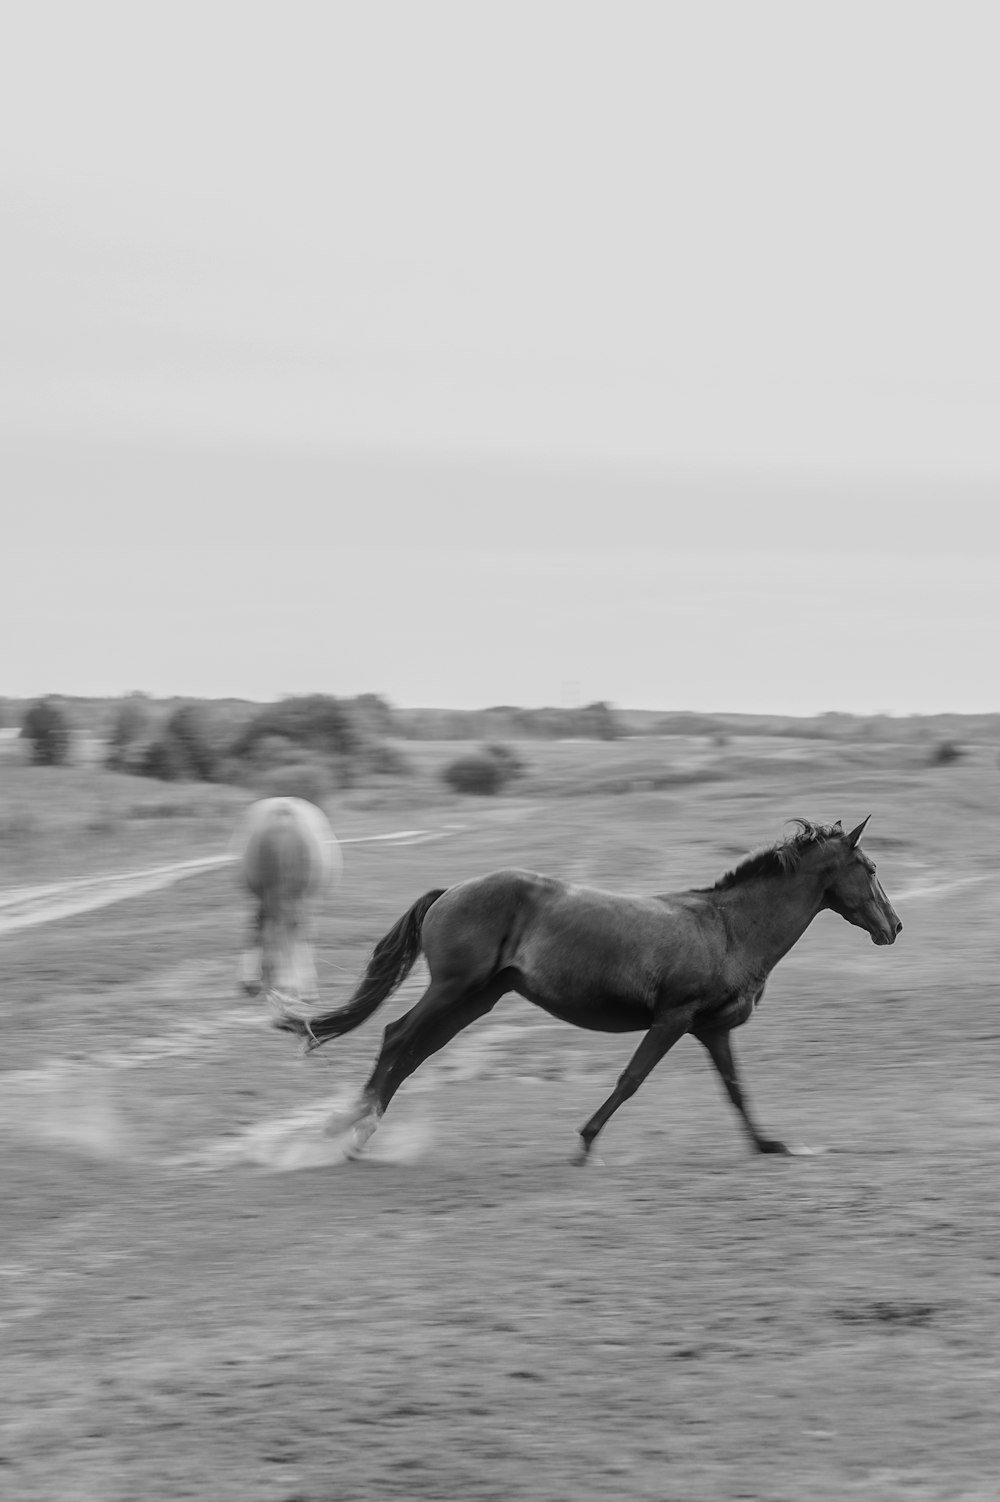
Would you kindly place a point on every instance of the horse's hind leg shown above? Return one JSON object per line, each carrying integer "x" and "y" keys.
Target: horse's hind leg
{"x": 306, "y": 979}
{"x": 442, "y": 1012}
{"x": 720, "y": 1051}
{"x": 250, "y": 959}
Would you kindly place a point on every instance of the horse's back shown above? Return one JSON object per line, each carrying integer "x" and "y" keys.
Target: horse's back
{"x": 289, "y": 843}
{"x": 524, "y": 904}
{"x": 514, "y": 888}
{"x": 560, "y": 937}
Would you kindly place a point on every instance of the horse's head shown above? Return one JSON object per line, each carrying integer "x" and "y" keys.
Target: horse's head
{"x": 855, "y": 892}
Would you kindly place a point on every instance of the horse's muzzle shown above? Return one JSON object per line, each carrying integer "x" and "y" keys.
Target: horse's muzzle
{"x": 889, "y": 933}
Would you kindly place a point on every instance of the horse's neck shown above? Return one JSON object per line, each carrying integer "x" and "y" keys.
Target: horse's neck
{"x": 769, "y": 914}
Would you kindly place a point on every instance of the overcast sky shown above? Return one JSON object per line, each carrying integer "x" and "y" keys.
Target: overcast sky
{"x": 481, "y": 352}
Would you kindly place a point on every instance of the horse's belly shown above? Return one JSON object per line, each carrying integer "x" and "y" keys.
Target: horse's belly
{"x": 599, "y": 1014}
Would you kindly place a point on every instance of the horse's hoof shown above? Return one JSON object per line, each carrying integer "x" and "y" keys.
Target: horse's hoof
{"x": 360, "y": 1127}
{"x": 782, "y": 1149}
{"x": 584, "y": 1156}
{"x": 356, "y": 1148}
{"x": 283, "y": 1024}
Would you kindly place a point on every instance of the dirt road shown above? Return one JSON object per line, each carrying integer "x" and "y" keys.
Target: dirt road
{"x": 27, "y": 907}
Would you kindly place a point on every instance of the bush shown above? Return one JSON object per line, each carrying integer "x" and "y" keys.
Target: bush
{"x": 340, "y": 737}
{"x": 598, "y": 721}
{"x": 130, "y": 727}
{"x": 944, "y": 753}
{"x": 387, "y": 761}
{"x": 506, "y": 758}
{"x": 478, "y": 773}
{"x": 317, "y": 722}
{"x": 191, "y": 728}
{"x": 163, "y": 759}
{"x": 185, "y": 750}
{"x": 376, "y": 714}
{"x": 272, "y": 751}
{"x": 47, "y": 726}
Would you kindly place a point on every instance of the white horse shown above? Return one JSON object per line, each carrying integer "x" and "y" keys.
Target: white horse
{"x": 288, "y": 857}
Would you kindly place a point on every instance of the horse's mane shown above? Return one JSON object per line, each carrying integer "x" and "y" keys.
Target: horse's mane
{"x": 783, "y": 856}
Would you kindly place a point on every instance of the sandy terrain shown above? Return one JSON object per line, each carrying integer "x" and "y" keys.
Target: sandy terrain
{"x": 190, "y": 1309}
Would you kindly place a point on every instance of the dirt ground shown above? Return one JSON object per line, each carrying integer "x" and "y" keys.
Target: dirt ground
{"x": 187, "y": 1313}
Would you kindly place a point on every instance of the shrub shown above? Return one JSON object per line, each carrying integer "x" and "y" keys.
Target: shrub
{"x": 191, "y": 728}
{"x": 507, "y": 758}
{"x": 185, "y": 750}
{"x": 598, "y": 721}
{"x": 47, "y": 726}
{"x": 129, "y": 726}
{"x": 944, "y": 753}
{"x": 387, "y": 761}
{"x": 478, "y": 773}
{"x": 339, "y": 736}
{"x": 163, "y": 759}
{"x": 316, "y": 721}
{"x": 273, "y": 751}
{"x": 376, "y": 714}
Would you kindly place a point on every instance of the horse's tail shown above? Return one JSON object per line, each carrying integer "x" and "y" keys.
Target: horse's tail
{"x": 392, "y": 960}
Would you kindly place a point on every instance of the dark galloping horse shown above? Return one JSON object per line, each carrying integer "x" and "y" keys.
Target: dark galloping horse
{"x": 688, "y": 962}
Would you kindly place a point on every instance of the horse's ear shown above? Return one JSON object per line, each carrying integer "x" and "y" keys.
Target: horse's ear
{"x": 855, "y": 834}
{"x": 839, "y": 827}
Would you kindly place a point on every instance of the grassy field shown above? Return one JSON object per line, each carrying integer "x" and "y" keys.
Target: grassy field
{"x": 469, "y": 1316}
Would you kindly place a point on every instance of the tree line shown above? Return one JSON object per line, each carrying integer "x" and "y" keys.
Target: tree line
{"x": 313, "y": 743}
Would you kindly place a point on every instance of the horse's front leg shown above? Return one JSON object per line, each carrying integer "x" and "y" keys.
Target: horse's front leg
{"x": 720, "y": 1051}
{"x": 659, "y": 1040}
